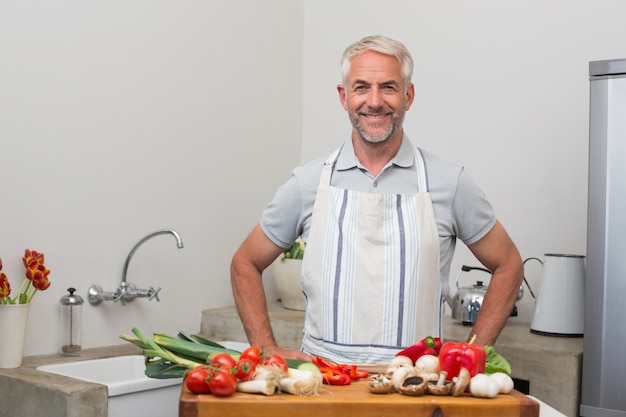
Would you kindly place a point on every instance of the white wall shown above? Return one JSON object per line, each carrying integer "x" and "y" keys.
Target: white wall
{"x": 118, "y": 118}
{"x": 501, "y": 87}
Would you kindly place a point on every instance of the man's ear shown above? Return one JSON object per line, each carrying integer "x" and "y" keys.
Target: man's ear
{"x": 342, "y": 96}
{"x": 410, "y": 96}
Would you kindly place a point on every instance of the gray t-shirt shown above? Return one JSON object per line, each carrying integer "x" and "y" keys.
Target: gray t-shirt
{"x": 461, "y": 209}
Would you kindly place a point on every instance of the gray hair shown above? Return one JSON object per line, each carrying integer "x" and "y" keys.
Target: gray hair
{"x": 383, "y": 45}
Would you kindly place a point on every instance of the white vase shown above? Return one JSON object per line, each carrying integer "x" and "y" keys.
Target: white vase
{"x": 287, "y": 278}
{"x": 13, "y": 319}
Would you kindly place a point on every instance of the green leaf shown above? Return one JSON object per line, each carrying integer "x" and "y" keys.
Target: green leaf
{"x": 134, "y": 341}
{"x": 165, "y": 370}
{"x": 194, "y": 350}
{"x": 23, "y": 299}
{"x": 199, "y": 339}
{"x": 496, "y": 362}
{"x": 295, "y": 251}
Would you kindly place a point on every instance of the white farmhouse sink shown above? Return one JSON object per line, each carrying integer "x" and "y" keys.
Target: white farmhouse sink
{"x": 121, "y": 374}
{"x": 131, "y": 392}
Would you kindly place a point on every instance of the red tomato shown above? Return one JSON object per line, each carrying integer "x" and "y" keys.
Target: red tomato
{"x": 253, "y": 353}
{"x": 223, "y": 383}
{"x": 277, "y": 360}
{"x": 197, "y": 380}
{"x": 245, "y": 369}
{"x": 223, "y": 360}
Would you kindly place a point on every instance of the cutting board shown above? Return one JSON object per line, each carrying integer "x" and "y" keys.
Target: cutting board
{"x": 355, "y": 400}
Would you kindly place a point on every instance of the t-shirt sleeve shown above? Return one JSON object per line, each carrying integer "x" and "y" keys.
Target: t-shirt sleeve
{"x": 288, "y": 215}
{"x": 472, "y": 213}
{"x": 279, "y": 220}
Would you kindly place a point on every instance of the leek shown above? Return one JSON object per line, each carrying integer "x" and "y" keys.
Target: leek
{"x": 172, "y": 357}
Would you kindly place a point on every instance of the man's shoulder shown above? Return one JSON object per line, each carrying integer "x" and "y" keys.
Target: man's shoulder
{"x": 433, "y": 159}
{"x": 441, "y": 169}
{"x": 310, "y": 172}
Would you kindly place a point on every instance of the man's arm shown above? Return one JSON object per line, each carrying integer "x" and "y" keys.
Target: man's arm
{"x": 255, "y": 254}
{"x": 497, "y": 252}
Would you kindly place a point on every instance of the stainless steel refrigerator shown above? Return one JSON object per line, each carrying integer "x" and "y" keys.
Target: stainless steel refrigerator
{"x": 604, "y": 356}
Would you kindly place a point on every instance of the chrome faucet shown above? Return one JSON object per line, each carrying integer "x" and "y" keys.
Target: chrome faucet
{"x": 128, "y": 291}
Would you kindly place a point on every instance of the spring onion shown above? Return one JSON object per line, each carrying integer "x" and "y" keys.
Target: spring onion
{"x": 257, "y": 386}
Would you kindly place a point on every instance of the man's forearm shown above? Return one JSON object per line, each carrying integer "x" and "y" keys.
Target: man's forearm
{"x": 252, "y": 308}
{"x": 496, "y": 308}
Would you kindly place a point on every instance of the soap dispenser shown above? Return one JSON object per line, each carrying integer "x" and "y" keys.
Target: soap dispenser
{"x": 71, "y": 314}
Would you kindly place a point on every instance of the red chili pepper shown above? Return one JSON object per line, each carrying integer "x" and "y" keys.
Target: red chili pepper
{"x": 454, "y": 356}
{"x": 339, "y": 374}
{"x": 323, "y": 363}
{"x": 331, "y": 377}
{"x": 427, "y": 346}
{"x": 354, "y": 372}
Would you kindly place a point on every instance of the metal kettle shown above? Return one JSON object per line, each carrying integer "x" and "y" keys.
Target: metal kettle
{"x": 467, "y": 301}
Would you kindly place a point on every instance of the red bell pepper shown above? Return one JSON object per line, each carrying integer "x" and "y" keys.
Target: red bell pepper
{"x": 339, "y": 374}
{"x": 427, "y": 346}
{"x": 354, "y": 372}
{"x": 332, "y": 377}
{"x": 454, "y": 356}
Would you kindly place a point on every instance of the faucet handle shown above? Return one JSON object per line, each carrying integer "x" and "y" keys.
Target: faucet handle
{"x": 117, "y": 296}
{"x": 152, "y": 293}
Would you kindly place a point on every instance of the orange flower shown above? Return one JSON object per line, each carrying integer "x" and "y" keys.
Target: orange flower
{"x": 5, "y": 287}
{"x": 32, "y": 258}
{"x": 36, "y": 279}
{"x": 39, "y": 277}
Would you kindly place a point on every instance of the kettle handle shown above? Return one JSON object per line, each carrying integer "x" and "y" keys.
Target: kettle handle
{"x": 525, "y": 281}
{"x": 466, "y": 268}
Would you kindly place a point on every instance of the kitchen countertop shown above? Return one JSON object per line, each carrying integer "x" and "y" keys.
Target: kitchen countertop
{"x": 32, "y": 391}
{"x": 545, "y": 410}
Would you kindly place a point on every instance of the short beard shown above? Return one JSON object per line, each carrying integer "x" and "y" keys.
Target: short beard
{"x": 396, "y": 124}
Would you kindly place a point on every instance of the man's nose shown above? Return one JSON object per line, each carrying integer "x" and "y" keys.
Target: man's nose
{"x": 374, "y": 97}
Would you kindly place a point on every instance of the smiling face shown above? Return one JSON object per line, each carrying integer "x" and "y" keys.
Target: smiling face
{"x": 376, "y": 97}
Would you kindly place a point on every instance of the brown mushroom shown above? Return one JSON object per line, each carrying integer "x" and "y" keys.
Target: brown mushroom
{"x": 380, "y": 384}
{"x": 461, "y": 382}
{"x": 413, "y": 386}
{"x": 441, "y": 387}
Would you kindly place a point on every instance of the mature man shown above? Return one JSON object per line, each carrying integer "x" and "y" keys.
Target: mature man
{"x": 380, "y": 218}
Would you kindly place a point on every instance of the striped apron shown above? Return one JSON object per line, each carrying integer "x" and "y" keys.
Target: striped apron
{"x": 371, "y": 272}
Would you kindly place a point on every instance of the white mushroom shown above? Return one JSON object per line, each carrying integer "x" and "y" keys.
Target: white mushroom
{"x": 400, "y": 374}
{"x": 399, "y": 361}
{"x": 427, "y": 364}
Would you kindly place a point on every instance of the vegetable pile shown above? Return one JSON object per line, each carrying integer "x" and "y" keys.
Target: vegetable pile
{"x": 430, "y": 367}
{"x": 210, "y": 368}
